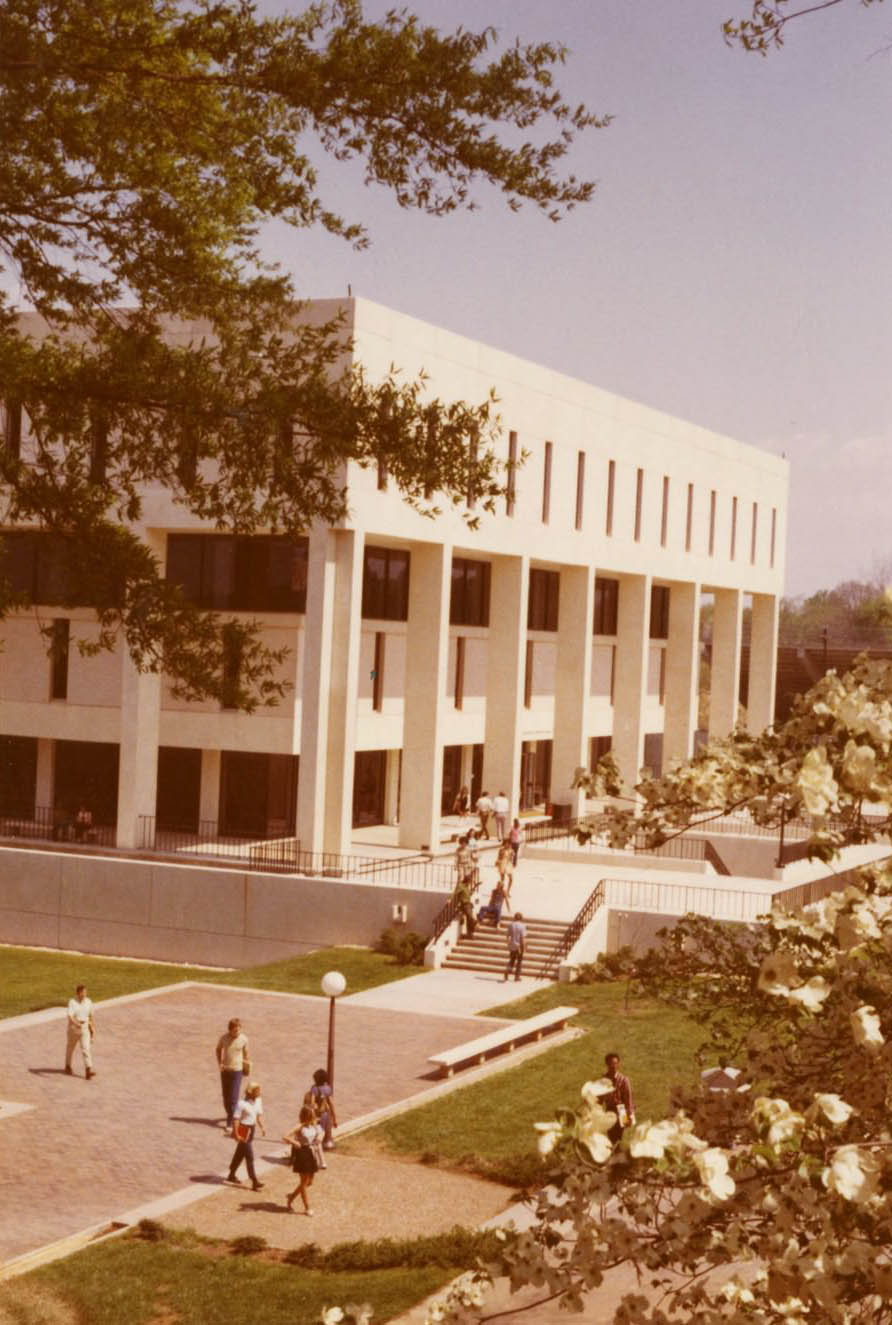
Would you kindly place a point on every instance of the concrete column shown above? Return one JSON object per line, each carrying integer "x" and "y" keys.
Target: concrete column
{"x": 724, "y": 685}
{"x": 138, "y": 750}
{"x": 506, "y": 657}
{"x": 328, "y": 694}
{"x": 682, "y": 668}
{"x": 392, "y": 788}
{"x": 572, "y": 684}
{"x": 44, "y": 780}
{"x": 427, "y": 648}
{"x": 209, "y": 796}
{"x": 763, "y": 662}
{"x": 630, "y": 683}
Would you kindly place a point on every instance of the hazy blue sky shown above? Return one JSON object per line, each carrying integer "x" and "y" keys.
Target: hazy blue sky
{"x": 734, "y": 267}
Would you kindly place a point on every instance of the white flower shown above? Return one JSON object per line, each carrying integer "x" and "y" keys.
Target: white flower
{"x": 812, "y": 994}
{"x": 834, "y": 1109}
{"x": 712, "y": 1165}
{"x": 816, "y": 782}
{"x": 866, "y": 1027}
{"x": 859, "y": 766}
{"x": 735, "y": 1290}
{"x": 853, "y": 1173}
{"x": 549, "y": 1135}
{"x": 782, "y": 1122}
{"x": 591, "y": 1131}
{"x": 435, "y": 1313}
{"x": 793, "y": 1310}
{"x": 650, "y": 1140}
{"x": 332, "y": 1315}
{"x": 593, "y": 1090}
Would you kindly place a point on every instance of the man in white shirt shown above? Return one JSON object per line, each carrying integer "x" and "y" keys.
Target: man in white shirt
{"x": 484, "y": 809}
{"x": 501, "y": 807}
{"x": 80, "y": 1030}
{"x": 248, "y": 1116}
{"x": 233, "y": 1060}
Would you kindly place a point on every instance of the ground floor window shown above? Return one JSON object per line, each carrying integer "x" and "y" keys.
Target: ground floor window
{"x": 18, "y": 776}
{"x": 369, "y": 788}
{"x": 179, "y": 789}
{"x": 86, "y": 776}
{"x": 258, "y": 794}
{"x": 653, "y": 753}
{"x": 535, "y": 773}
{"x": 599, "y": 747}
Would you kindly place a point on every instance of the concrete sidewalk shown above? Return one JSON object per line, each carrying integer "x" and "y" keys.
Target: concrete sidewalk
{"x": 445, "y": 993}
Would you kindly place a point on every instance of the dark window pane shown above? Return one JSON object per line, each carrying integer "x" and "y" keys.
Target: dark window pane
{"x": 542, "y": 610}
{"x": 606, "y": 605}
{"x": 287, "y": 575}
{"x": 19, "y": 566}
{"x": 397, "y": 600}
{"x": 469, "y": 601}
{"x": 59, "y": 658}
{"x": 184, "y": 558}
{"x": 659, "y": 611}
{"x": 457, "y": 593}
{"x": 374, "y": 579}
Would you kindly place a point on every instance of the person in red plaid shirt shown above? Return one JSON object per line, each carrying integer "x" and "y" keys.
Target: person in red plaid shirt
{"x": 619, "y": 1101}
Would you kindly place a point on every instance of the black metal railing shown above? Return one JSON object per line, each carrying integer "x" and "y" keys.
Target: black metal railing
{"x": 47, "y": 824}
{"x": 677, "y": 848}
{"x": 574, "y": 930}
{"x": 284, "y": 855}
{"x": 444, "y": 918}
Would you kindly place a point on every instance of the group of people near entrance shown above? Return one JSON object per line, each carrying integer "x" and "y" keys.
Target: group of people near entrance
{"x": 310, "y": 1137}
{"x": 468, "y": 875}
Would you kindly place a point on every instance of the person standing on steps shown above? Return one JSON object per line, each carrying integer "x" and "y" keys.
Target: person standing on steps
{"x": 517, "y": 937}
{"x": 234, "y": 1062}
{"x": 80, "y": 1031}
{"x": 619, "y": 1101}
{"x": 248, "y": 1117}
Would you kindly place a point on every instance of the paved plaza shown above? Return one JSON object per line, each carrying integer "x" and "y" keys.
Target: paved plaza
{"x": 148, "y": 1125}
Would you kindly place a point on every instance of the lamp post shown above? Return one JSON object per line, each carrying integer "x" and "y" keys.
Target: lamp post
{"x": 333, "y": 984}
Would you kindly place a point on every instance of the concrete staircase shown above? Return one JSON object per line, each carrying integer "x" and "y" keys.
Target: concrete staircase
{"x": 488, "y": 949}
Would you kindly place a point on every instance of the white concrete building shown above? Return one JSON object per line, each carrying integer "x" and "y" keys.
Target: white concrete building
{"x": 425, "y": 656}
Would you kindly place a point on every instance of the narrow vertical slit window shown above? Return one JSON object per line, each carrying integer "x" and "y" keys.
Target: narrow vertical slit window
{"x": 528, "y": 676}
{"x": 382, "y": 474}
{"x": 754, "y": 533}
{"x": 12, "y": 428}
{"x": 511, "y": 491}
{"x": 639, "y": 495}
{"x": 712, "y": 523}
{"x": 773, "y": 533}
{"x": 662, "y": 698}
{"x": 546, "y": 484}
{"x": 611, "y": 491}
{"x": 580, "y": 487}
{"x": 59, "y": 649}
{"x": 378, "y": 672}
{"x": 689, "y": 519}
{"x": 459, "y": 671}
{"x": 664, "y": 512}
{"x": 98, "y": 448}
{"x": 733, "y": 548}
{"x": 612, "y": 672}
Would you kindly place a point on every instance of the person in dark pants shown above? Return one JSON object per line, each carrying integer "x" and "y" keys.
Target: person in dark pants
{"x": 517, "y": 937}
{"x": 248, "y": 1116}
{"x": 233, "y": 1060}
{"x": 619, "y": 1101}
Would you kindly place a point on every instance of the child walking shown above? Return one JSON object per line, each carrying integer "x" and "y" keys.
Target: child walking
{"x": 304, "y": 1138}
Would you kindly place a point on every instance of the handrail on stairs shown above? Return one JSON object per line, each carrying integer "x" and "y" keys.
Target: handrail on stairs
{"x": 572, "y": 933}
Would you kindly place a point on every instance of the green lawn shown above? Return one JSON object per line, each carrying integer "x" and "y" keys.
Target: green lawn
{"x": 129, "y": 1282}
{"x": 31, "y": 978}
{"x": 488, "y": 1127}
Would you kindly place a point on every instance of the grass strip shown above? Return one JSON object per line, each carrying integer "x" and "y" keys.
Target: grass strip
{"x": 32, "y": 978}
{"x": 487, "y": 1128}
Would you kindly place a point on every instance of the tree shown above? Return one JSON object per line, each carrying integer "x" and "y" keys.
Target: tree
{"x": 764, "y": 30}
{"x": 829, "y": 764}
{"x": 770, "y": 1202}
{"x": 142, "y": 144}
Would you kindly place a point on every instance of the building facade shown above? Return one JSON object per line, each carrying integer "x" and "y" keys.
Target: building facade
{"x": 422, "y": 655}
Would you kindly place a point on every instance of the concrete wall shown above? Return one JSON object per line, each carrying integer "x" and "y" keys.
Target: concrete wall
{"x": 190, "y": 913}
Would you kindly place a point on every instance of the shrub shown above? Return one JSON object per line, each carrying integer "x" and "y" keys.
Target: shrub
{"x": 149, "y": 1230}
{"x": 619, "y": 965}
{"x": 459, "y": 1248}
{"x": 249, "y": 1244}
{"x": 403, "y": 945}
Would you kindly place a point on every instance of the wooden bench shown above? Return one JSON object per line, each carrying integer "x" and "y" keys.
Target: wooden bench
{"x": 506, "y": 1037}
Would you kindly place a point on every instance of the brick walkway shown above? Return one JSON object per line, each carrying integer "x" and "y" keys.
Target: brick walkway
{"x": 149, "y": 1123}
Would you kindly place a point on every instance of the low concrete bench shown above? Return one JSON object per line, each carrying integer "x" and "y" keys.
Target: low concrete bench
{"x": 506, "y": 1037}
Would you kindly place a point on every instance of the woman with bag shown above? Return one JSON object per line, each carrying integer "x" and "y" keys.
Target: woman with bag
{"x": 303, "y": 1139}
{"x": 248, "y": 1117}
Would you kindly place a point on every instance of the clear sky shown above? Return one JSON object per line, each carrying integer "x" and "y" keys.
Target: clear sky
{"x": 734, "y": 267}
